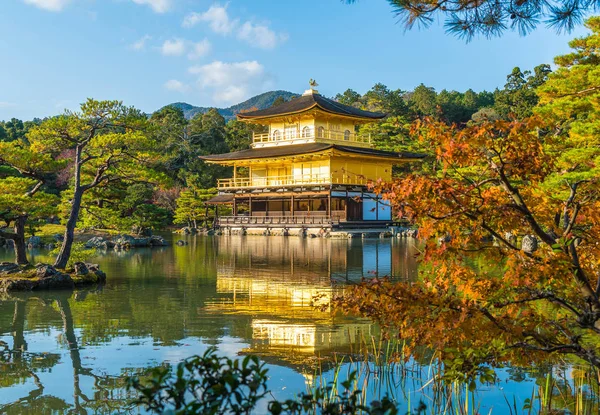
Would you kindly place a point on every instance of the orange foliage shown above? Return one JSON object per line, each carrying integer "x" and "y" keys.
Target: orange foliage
{"x": 479, "y": 286}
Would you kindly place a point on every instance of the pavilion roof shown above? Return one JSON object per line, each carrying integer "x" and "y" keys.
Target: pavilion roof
{"x": 307, "y": 102}
{"x": 299, "y": 149}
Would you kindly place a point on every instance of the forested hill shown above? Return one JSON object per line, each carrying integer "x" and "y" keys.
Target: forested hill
{"x": 261, "y": 101}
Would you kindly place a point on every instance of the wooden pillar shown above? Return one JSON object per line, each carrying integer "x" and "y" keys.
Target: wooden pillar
{"x": 234, "y": 210}
{"x": 292, "y": 205}
{"x": 329, "y": 204}
{"x": 249, "y": 205}
{"x": 346, "y": 205}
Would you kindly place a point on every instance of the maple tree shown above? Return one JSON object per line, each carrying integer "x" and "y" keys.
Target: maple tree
{"x": 511, "y": 231}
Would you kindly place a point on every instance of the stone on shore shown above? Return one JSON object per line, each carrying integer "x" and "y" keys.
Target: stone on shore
{"x": 127, "y": 242}
{"x": 44, "y": 277}
{"x": 98, "y": 242}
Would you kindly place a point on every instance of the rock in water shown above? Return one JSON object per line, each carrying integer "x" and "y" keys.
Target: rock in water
{"x": 124, "y": 242}
{"x": 95, "y": 242}
{"x": 529, "y": 244}
{"x": 157, "y": 241}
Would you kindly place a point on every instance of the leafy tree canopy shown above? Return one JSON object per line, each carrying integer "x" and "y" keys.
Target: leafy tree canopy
{"x": 511, "y": 231}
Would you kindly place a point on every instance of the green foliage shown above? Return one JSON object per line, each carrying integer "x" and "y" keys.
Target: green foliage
{"x": 15, "y": 200}
{"x": 191, "y": 206}
{"x": 348, "y": 97}
{"x": 79, "y": 253}
{"x": 206, "y": 384}
{"x": 423, "y": 101}
{"x": 239, "y": 134}
{"x": 490, "y": 18}
{"x": 518, "y": 98}
{"x": 124, "y": 207}
{"x": 569, "y": 100}
{"x": 182, "y": 141}
{"x": 15, "y": 129}
{"x": 212, "y": 385}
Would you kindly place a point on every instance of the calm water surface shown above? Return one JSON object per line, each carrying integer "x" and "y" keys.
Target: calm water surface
{"x": 64, "y": 352}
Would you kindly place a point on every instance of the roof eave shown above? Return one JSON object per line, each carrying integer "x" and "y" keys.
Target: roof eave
{"x": 248, "y": 117}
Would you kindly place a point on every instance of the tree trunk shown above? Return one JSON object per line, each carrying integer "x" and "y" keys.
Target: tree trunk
{"x": 65, "y": 250}
{"x": 20, "y": 248}
{"x": 18, "y": 237}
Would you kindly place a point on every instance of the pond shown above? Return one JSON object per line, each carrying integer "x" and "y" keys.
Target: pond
{"x": 65, "y": 352}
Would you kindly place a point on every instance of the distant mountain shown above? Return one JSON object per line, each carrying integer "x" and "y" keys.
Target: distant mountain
{"x": 261, "y": 101}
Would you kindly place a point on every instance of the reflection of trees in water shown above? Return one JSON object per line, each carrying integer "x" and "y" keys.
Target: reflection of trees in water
{"x": 19, "y": 366}
{"x": 200, "y": 290}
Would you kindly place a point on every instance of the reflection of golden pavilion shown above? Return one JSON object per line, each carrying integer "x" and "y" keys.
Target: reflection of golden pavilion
{"x": 286, "y": 285}
{"x": 306, "y": 338}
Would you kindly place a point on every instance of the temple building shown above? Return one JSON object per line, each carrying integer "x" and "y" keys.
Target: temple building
{"x": 310, "y": 168}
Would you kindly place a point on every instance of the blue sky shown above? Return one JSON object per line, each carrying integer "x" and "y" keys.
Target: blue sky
{"x": 149, "y": 53}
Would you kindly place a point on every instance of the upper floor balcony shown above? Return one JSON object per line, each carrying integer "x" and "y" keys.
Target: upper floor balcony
{"x": 291, "y": 181}
{"x": 309, "y": 135}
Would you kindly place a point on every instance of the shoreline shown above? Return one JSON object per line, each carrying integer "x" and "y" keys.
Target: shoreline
{"x": 45, "y": 277}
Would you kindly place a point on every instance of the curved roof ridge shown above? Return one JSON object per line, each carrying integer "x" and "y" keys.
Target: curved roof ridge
{"x": 307, "y": 102}
{"x": 308, "y": 148}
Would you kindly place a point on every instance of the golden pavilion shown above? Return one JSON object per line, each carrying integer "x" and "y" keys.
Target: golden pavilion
{"x": 309, "y": 169}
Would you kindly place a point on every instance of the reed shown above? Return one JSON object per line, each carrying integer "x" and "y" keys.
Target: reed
{"x": 419, "y": 387}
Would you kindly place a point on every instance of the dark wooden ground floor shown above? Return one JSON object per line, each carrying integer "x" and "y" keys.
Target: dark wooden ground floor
{"x": 325, "y": 208}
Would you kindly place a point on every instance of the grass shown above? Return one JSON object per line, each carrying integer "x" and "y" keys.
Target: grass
{"x": 382, "y": 370}
{"x": 47, "y": 231}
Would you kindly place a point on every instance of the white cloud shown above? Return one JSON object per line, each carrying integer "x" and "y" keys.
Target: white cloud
{"x": 231, "y": 93}
{"x": 199, "y": 49}
{"x": 230, "y": 82}
{"x": 51, "y": 5}
{"x": 175, "y": 47}
{"x": 159, "y": 6}
{"x": 175, "y": 85}
{"x": 217, "y": 18}
{"x": 260, "y": 36}
{"x": 140, "y": 44}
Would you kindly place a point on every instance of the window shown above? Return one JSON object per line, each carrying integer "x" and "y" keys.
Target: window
{"x": 290, "y": 131}
{"x": 276, "y": 135}
{"x": 306, "y": 132}
{"x": 321, "y": 132}
{"x": 347, "y": 135}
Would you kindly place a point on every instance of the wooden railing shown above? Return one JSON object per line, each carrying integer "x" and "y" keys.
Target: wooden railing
{"x": 309, "y": 135}
{"x": 313, "y": 219}
{"x": 279, "y": 181}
